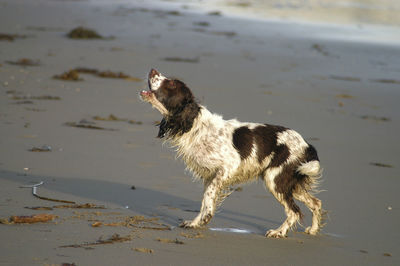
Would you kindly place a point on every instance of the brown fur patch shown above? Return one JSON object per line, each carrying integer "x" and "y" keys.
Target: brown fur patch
{"x": 265, "y": 138}
{"x": 243, "y": 141}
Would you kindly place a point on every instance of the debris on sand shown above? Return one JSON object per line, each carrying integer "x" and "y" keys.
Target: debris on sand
{"x": 137, "y": 221}
{"x": 25, "y": 62}
{"x": 215, "y": 13}
{"x": 71, "y": 75}
{"x": 320, "y": 49}
{"x": 112, "y": 117}
{"x": 196, "y": 235}
{"x": 11, "y": 37}
{"x": 173, "y": 241}
{"x": 34, "y": 193}
{"x": 387, "y": 81}
{"x": 44, "y": 148}
{"x": 344, "y": 96}
{"x": 43, "y": 97}
{"x": 40, "y": 208}
{"x": 181, "y": 59}
{"x": 87, "y": 126}
{"x": 344, "y": 78}
{"x": 201, "y": 23}
{"x": 37, "y": 218}
{"x": 143, "y": 250}
{"x": 80, "y": 206}
{"x": 97, "y": 224}
{"x": 115, "y": 238}
{"x": 381, "y": 164}
{"x": 84, "y": 33}
{"x": 375, "y": 118}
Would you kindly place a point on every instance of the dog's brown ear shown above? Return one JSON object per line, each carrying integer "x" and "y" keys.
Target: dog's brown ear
{"x": 153, "y": 73}
{"x": 162, "y": 128}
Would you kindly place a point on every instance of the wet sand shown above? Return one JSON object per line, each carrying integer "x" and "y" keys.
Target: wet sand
{"x": 341, "y": 95}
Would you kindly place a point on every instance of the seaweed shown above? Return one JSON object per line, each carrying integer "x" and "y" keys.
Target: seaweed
{"x": 387, "y": 81}
{"x": 173, "y": 241}
{"x": 344, "y": 78}
{"x": 43, "y": 97}
{"x": 24, "y": 102}
{"x": 44, "y": 148}
{"x": 71, "y": 75}
{"x": 11, "y": 37}
{"x": 137, "y": 221}
{"x": 228, "y": 34}
{"x": 25, "y": 62}
{"x": 375, "y": 118}
{"x": 381, "y": 164}
{"x": 80, "y": 206}
{"x": 195, "y": 235}
{"x": 40, "y": 208}
{"x": 320, "y": 49}
{"x": 112, "y": 117}
{"x": 215, "y": 13}
{"x": 115, "y": 238}
{"x": 84, "y": 33}
{"x": 87, "y": 126}
{"x": 181, "y": 59}
{"x": 143, "y": 250}
{"x": 344, "y": 96}
{"x": 37, "y": 218}
{"x": 35, "y": 109}
{"x": 201, "y": 23}
{"x": 34, "y": 193}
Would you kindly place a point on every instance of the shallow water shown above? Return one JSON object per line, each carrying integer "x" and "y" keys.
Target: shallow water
{"x": 353, "y": 12}
{"x": 231, "y": 230}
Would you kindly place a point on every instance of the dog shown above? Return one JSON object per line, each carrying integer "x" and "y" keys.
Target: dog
{"x": 223, "y": 153}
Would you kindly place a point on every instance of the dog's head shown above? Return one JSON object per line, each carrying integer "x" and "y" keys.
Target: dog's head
{"x": 174, "y": 100}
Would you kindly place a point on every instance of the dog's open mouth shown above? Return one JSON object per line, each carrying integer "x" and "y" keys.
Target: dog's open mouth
{"x": 149, "y": 96}
{"x": 146, "y": 94}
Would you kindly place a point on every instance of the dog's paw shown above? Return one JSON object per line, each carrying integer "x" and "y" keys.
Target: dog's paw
{"x": 311, "y": 231}
{"x": 275, "y": 234}
{"x": 189, "y": 224}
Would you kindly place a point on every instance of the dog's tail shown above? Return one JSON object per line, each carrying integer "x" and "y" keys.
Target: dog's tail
{"x": 311, "y": 168}
{"x": 313, "y": 172}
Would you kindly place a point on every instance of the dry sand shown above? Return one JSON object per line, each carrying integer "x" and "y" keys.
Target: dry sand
{"x": 342, "y": 95}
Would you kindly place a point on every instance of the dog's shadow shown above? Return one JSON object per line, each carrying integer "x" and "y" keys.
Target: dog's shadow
{"x": 139, "y": 200}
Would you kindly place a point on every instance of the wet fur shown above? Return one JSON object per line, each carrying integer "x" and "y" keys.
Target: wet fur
{"x": 223, "y": 153}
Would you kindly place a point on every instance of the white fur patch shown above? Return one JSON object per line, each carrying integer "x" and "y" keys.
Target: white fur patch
{"x": 156, "y": 81}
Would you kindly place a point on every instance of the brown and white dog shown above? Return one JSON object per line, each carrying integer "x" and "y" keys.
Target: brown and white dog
{"x": 223, "y": 153}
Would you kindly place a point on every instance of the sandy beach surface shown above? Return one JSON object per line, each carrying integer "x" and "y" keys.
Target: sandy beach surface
{"x": 93, "y": 141}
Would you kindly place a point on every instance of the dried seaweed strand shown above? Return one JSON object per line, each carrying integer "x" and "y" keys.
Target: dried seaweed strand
{"x": 113, "y": 239}
{"x": 34, "y": 193}
{"x": 49, "y": 199}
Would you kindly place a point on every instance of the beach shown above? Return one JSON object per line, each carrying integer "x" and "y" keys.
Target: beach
{"x": 71, "y": 117}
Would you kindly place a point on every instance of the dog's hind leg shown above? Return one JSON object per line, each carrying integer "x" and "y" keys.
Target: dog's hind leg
{"x": 315, "y": 206}
{"x": 292, "y": 211}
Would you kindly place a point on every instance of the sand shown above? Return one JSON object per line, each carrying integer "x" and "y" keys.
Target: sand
{"x": 339, "y": 91}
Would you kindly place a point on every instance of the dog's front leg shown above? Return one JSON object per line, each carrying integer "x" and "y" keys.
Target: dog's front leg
{"x": 208, "y": 205}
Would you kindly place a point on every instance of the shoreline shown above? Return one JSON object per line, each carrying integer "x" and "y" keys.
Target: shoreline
{"x": 351, "y": 31}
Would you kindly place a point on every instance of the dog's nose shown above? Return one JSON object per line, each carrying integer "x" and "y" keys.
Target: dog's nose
{"x": 153, "y": 73}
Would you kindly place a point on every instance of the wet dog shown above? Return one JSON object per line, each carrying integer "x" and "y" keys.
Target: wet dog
{"x": 223, "y": 153}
